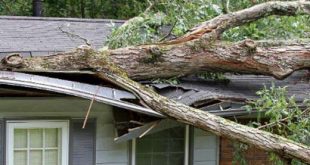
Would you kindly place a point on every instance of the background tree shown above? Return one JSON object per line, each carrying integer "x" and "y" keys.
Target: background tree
{"x": 113, "y": 9}
{"x": 37, "y": 8}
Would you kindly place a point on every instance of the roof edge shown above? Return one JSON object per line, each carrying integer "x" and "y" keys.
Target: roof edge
{"x": 3, "y": 17}
{"x": 102, "y": 94}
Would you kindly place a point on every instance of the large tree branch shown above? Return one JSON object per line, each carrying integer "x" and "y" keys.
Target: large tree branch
{"x": 209, "y": 122}
{"x": 147, "y": 62}
{"x": 155, "y": 61}
{"x": 219, "y": 24}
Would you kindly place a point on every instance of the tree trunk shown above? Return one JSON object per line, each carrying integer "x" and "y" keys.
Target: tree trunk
{"x": 199, "y": 50}
{"x": 82, "y": 5}
{"x": 37, "y": 8}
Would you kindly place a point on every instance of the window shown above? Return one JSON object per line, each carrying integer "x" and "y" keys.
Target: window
{"x": 37, "y": 142}
{"x": 167, "y": 147}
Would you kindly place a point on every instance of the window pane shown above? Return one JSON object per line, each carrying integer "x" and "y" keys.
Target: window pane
{"x": 176, "y": 158}
{"x": 160, "y": 159}
{"x": 36, "y": 138}
{"x": 20, "y": 138}
{"x": 144, "y": 159}
{"x": 51, "y": 157}
{"x": 164, "y": 148}
{"x": 35, "y": 157}
{"x": 51, "y": 137}
{"x": 20, "y": 157}
{"x": 144, "y": 145}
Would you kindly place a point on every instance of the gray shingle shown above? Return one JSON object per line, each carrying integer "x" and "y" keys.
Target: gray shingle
{"x": 44, "y": 35}
{"x": 240, "y": 86}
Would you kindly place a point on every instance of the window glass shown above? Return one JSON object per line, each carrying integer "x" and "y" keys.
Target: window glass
{"x": 37, "y": 142}
{"x": 32, "y": 144}
{"x": 161, "y": 148}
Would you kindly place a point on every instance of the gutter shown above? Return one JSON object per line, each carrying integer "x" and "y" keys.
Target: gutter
{"x": 105, "y": 95}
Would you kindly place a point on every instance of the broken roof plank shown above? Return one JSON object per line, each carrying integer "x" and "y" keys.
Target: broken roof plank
{"x": 147, "y": 129}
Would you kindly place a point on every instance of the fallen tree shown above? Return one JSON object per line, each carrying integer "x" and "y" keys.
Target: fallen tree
{"x": 199, "y": 50}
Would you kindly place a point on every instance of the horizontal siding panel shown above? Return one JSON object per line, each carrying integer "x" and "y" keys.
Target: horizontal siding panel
{"x": 205, "y": 155}
{"x": 108, "y": 144}
{"x": 205, "y": 148}
{"x": 105, "y": 131}
{"x": 199, "y": 132}
{"x": 119, "y": 156}
{"x": 206, "y": 163}
{"x": 202, "y": 142}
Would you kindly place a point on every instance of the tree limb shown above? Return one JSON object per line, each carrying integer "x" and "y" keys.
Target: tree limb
{"x": 221, "y": 23}
{"x": 209, "y": 122}
{"x": 147, "y": 62}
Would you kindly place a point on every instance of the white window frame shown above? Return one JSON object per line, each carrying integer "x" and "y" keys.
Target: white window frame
{"x": 186, "y": 148}
{"x": 30, "y": 124}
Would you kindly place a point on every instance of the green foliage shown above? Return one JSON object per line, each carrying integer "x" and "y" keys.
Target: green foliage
{"x": 16, "y": 7}
{"x": 139, "y": 30}
{"x": 273, "y": 27}
{"x": 284, "y": 117}
{"x": 172, "y": 81}
{"x": 117, "y": 9}
{"x": 239, "y": 152}
{"x": 178, "y": 16}
{"x": 184, "y": 14}
{"x": 217, "y": 76}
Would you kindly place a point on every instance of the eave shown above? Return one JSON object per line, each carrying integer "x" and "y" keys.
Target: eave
{"x": 101, "y": 94}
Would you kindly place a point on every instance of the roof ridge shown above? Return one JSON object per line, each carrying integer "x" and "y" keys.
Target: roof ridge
{"x": 60, "y": 19}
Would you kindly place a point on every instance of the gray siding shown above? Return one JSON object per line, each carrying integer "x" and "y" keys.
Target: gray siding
{"x": 107, "y": 152}
{"x": 205, "y": 148}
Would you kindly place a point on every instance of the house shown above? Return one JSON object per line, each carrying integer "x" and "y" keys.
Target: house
{"x": 44, "y": 121}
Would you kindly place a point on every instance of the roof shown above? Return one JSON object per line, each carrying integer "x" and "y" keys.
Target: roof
{"x": 36, "y": 36}
{"x": 209, "y": 95}
{"x": 33, "y": 36}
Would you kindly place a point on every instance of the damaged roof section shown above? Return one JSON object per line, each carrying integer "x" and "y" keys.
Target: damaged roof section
{"x": 102, "y": 94}
{"x": 227, "y": 99}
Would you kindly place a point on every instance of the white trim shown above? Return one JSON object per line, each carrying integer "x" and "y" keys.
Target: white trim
{"x": 218, "y": 148}
{"x": 11, "y": 125}
{"x": 187, "y": 143}
{"x": 133, "y": 152}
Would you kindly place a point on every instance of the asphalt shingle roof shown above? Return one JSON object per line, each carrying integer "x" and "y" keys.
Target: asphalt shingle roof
{"x": 42, "y": 36}
{"x": 239, "y": 88}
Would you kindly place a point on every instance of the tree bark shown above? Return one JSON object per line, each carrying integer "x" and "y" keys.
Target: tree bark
{"x": 209, "y": 122}
{"x": 37, "y": 8}
{"x": 159, "y": 61}
{"x": 198, "y": 51}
